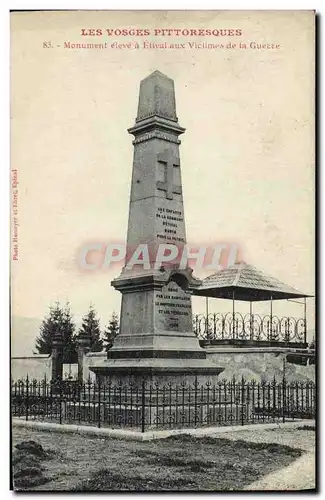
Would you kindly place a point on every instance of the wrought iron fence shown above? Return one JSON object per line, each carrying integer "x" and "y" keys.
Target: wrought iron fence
{"x": 253, "y": 327}
{"x": 152, "y": 406}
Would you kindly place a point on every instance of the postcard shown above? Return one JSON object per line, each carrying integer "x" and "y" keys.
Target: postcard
{"x": 162, "y": 250}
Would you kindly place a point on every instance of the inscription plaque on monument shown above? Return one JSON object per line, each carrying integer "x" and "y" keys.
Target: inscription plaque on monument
{"x": 173, "y": 309}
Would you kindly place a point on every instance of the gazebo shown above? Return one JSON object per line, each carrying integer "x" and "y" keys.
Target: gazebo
{"x": 244, "y": 282}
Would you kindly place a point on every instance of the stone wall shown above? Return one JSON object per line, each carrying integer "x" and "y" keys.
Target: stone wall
{"x": 92, "y": 359}
{"x": 36, "y": 367}
{"x": 252, "y": 364}
{"x": 259, "y": 364}
{"x": 40, "y": 366}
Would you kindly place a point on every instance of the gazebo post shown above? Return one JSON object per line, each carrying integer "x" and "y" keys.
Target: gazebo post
{"x": 250, "y": 319}
{"x": 233, "y": 314}
{"x": 305, "y": 320}
{"x": 271, "y": 318}
{"x": 206, "y": 316}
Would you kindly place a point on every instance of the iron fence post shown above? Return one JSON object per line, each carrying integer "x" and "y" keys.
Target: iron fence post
{"x": 274, "y": 412}
{"x": 283, "y": 398}
{"x": 60, "y": 400}
{"x": 98, "y": 401}
{"x": 242, "y": 399}
{"x": 27, "y": 398}
{"x": 143, "y": 404}
{"x": 195, "y": 401}
{"x": 44, "y": 394}
{"x": 50, "y": 403}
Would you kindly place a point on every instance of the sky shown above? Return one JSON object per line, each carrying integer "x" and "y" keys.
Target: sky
{"x": 247, "y": 156}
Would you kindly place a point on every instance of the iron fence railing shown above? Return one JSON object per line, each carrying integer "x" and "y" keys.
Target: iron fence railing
{"x": 249, "y": 327}
{"x": 153, "y": 406}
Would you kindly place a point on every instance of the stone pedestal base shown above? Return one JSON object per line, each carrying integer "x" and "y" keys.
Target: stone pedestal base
{"x": 157, "y": 389}
{"x": 157, "y": 415}
{"x": 157, "y": 370}
{"x": 157, "y": 358}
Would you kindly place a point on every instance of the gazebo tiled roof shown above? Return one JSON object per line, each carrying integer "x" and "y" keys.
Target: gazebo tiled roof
{"x": 242, "y": 281}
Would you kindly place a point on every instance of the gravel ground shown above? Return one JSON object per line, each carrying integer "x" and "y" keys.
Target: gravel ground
{"x": 301, "y": 474}
{"x": 296, "y": 438}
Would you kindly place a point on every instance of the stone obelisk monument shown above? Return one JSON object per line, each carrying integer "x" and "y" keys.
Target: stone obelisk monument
{"x": 156, "y": 338}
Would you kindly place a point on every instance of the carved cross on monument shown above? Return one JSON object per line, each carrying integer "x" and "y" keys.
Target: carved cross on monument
{"x": 168, "y": 185}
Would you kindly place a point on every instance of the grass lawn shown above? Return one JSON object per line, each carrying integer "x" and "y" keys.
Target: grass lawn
{"x": 79, "y": 463}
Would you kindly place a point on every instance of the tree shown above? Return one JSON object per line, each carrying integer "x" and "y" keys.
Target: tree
{"x": 48, "y": 329}
{"x": 111, "y": 331}
{"x": 70, "y": 352}
{"x": 90, "y": 328}
{"x": 58, "y": 321}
